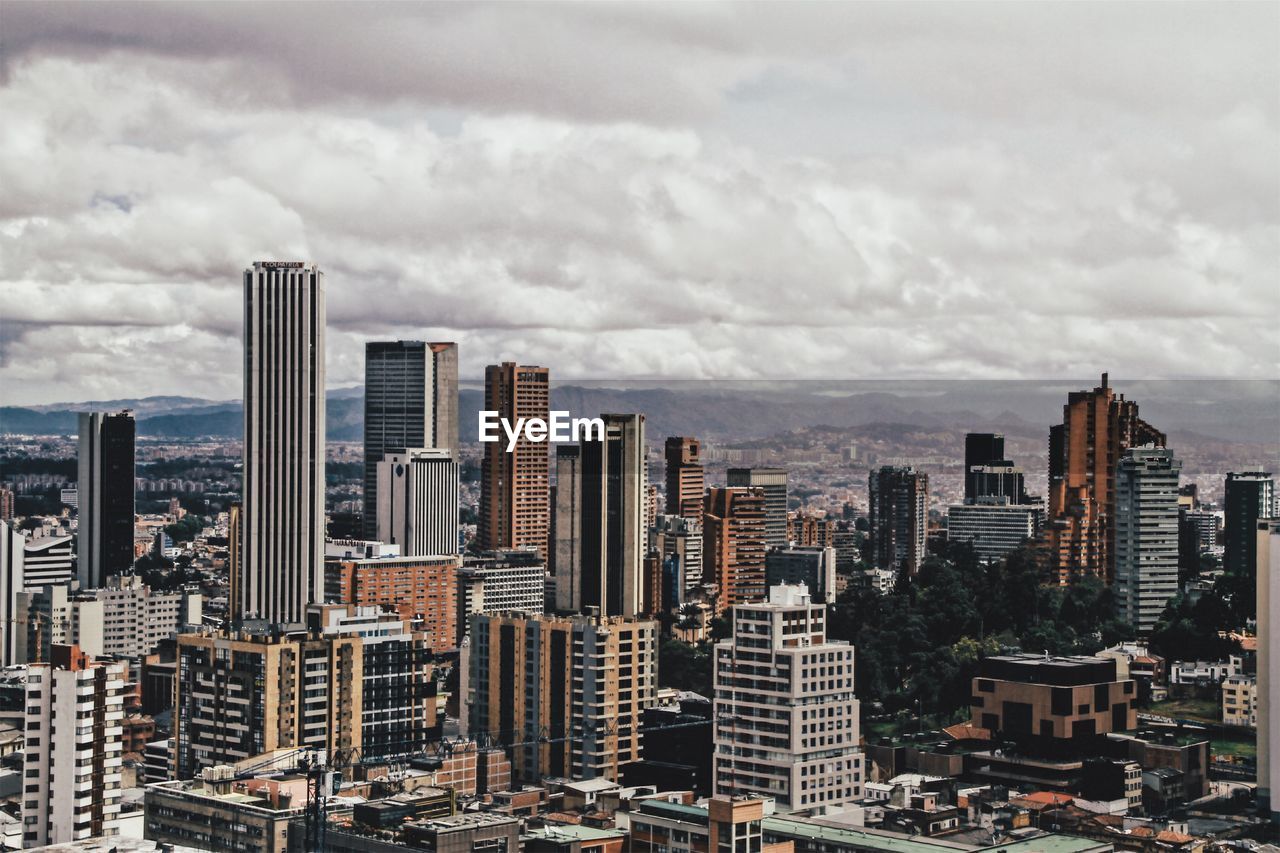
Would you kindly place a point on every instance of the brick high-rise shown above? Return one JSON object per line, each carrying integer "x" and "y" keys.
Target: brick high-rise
{"x": 1084, "y": 451}
{"x": 685, "y": 477}
{"x": 734, "y": 540}
{"x": 515, "y": 499}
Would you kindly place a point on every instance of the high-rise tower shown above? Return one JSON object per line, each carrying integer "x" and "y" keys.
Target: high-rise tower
{"x": 410, "y": 401}
{"x": 515, "y": 500}
{"x": 772, "y": 483}
{"x": 105, "y": 496}
{"x": 899, "y": 515}
{"x": 1247, "y": 497}
{"x": 1084, "y": 450}
{"x": 1146, "y": 522}
{"x": 685, "y": 477}
{"x": 282, "y": 519}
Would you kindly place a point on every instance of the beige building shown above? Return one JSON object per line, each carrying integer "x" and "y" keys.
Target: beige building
{"x": 1037, "y": 696}
{"x": 564, "y": 694}
{"x": 786, "y": 717}
{"x": 1240, "y": 701}
{"x": 218, "y": 812}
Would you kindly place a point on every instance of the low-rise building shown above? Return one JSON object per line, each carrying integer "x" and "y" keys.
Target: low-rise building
{"x": 216, "y": 811}
{"x": 1240, "y": 701}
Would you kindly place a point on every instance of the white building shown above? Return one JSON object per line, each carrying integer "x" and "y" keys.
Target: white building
{"x": 500, "y": 582}
{"x": 786, "y": 718}
{"x": 13, "y": 641}
{"x": 417, "y": 502}
{"x": 48, "y": 560}
{"x": 125, "y": 619}
{"x": 994, "y": 529}
{"x": 1146, "y": 535}
{"x": 73, "y": 757}
{"x": 1240, "y": 701}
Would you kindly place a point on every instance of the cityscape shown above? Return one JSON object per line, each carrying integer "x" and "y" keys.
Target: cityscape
{"x": 425, "y": 640}
{"x": 821, "y": 426}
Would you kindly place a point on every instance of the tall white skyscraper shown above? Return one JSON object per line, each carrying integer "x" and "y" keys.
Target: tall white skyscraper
{"x": 410, "y": 400}
{"x": 418, "y": 502}
{"x": 105, "y": 496}
{"x": 283, "y": 515}
{"x": 1146, "y": 537}
{"x": 13, "y": 617}
{"x": 786, "y": 717}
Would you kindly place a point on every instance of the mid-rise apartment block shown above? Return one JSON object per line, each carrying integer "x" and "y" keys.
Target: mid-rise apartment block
{"x": 1240, "y": 701}
{"x": 564, "y": 694}
{"x": 73, "y": 750}
{"x": 125, "y": 618}
{"x": 500, "y": 582}
{"x": 786, "y": 717}
{"x": 678, "y": 542}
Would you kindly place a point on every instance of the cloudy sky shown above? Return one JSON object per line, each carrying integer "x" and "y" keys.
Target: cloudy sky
{"x": 623, "y": 191}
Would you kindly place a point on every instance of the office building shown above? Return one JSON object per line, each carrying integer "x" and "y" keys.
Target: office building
{"x": 515, "y": 501}
{"x": 417, "y": 588}
{"x": 566, "y": 532}
{"x": 564, "y": 694}
{"x": 500, "y": 582}
{"x": 410, "y": 400}
{"x": 772, "y": 483}
{"x": 608, "y": 573}
{"x": 899, "y": 515}
{"x": 105, "y": 496}
{"x": 1146, "y": 535}
{"x": 1084, "y": 453}
{"x": 358, "y": 679}
{"x": 994, "y": 529}
{"x": 813, "y": 566}
{"x": 734, "y": 822}
{"x": 733, "y": 545}
{"x": 1036, "y": 699}
{"x": 1268, "y": 696}
{"x": 6, "y": 504}
{"x": 417, "y": 502}
{"x": 217, "y": 810}
{"x": 48, "y": 560}
{"x": 679, "y": 539}
{"x": 786, "y": 717}
{"x": 13, "y": 603}
{"x": 1247, "y": 497}
{"x": 1199, "y": 530}
{"x": 988, "y": 473}
{"x": 685, "y": 477}
{"x": 282, "y": 516}
{"x": 73, "y": 751}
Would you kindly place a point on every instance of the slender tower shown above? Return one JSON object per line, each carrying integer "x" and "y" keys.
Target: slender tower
{"x": 515, "y": 486}
{"x": 105, "y": 497}
{"x": 282, "y": 520}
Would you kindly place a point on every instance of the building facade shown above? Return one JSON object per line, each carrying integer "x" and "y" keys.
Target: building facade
{"x": 417, "y": 501}
{"x": 772, "y": 483}
{"x": 1268, "y": 701}
{"x": 105, "y": 496}
{"x": 563, "y": 694}
{"x": 410, "y": 400}
{"x": 1247, "y": 497}
{"x": 418, "y": 588}
{"x": 675, "y": 537}
{"x": 899, "y": 515}
{"x": 48, "y": 560}
{"x": 73, "y": 753}
{"x": 13, "y": 603}
{"x": 500, "y": 582}
{"x": 1146, "y": 535}
{"x": 282, "y": 516}
{"x": 686, "y": 480}
{"x": 515, "y": 501}
{"x": 993, "y": 528}
{"x": 733, "y": 545}
{"x": 813, "y": 566}
{"x": 786, "y": 720}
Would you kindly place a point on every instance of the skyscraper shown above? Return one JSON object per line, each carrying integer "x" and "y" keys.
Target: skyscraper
{"x": 515, "y": 501}
{"x": 564, "y": 694}
{"x": 988, "y": 474}
{"x": 1248, "y": 496}
{"x": 1268, "y": 586}
{"x": 734, "y": 544}
{"x": 1146, "y": 538}
{"x": 13, "y": 616}
{"x": 105, "y": 487}
{"x": 567, "y": 520}
{"x": 282, "y": 518}
{"x": 418, "y": 501}
{"x": 685, "y": 477}
{"x": 608, "y": 573}
{"x": 772, "y": 482}
{"x": 786, "y": 717}
{"x": 410, "y": 400}
{"x": 1084, "y": 450}
{"x": 899, "y": 513}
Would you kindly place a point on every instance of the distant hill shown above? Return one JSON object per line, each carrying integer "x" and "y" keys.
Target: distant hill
{"x": 1231, "y": 411}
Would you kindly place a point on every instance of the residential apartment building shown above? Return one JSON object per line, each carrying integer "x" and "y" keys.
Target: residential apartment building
{"x": 73, "y": 749}
{"x": 500, "y": 582}
{"x": 899, "y": 515}
{"x": 772, "y": 483}
{"x": 563, "y": 694}
{"x": 1240, "y": 701}
{"x": 678, "y": 542}
{"x": 418, "y": 588}
{"x": 1247, "y": 497}
{"x": 734, "y": 531}
{"x": 1145, "y": 535}
{"x": 813, "y": 566}
{"x": 515, "y": 501}
{"x": 786, "y": 720}
{"x": 686, "y": 480}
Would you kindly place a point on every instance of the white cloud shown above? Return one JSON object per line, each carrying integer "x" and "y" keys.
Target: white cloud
{"x": 1026, "y": 191}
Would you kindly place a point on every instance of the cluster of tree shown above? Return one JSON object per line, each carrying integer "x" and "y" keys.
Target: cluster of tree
{"x": 1193, "y": 627}
{"x": 186, "y": 528}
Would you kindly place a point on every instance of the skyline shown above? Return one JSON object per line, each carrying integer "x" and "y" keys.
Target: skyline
{"x": 706, "y": 192}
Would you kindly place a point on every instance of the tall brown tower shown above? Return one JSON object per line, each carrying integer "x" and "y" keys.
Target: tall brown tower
{"x": 733, "y": 545}
{"x": 515, "y": 499}
{"x": 684, "y": 477}
{"x": 1097, "y": 427}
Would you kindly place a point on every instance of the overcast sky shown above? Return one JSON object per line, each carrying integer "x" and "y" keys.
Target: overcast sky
{"x": 619, "y": 191}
